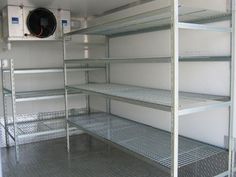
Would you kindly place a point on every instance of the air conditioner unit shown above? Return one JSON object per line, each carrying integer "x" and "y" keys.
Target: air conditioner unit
{"x": 28, "y": 23}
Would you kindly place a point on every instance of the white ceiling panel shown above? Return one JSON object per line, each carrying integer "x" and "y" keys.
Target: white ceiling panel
{"x": 78, "y": 7}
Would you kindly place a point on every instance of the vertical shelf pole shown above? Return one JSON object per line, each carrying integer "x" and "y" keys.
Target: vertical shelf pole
{"x": 108, "y": 81}
{"x": 108, "y": 77}
{"x": 87, "y": 78}
{"x": 66, "y": 95}
{"x": 14, "y": 118}
{"x": 4, "y": 104}
{"x": 174, "y": 87}
{"x": 232, "y": 92}
{"x": 86, "y": 56}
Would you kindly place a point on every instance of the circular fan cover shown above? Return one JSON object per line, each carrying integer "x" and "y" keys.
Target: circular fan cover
{"x": 41, "y": 23}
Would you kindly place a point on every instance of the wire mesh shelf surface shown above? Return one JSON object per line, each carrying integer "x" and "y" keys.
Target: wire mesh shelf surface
{"x": 40, "y": 123}
{"x": 150, "y": 97}
{"x": 151, "y": 143}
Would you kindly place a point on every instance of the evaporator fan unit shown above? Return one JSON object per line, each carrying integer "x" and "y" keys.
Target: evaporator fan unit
{"x": 22, "y": 23}
{"x": 41, "y": 23}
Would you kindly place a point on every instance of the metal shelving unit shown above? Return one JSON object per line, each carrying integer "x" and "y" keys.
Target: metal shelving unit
{"x": 15, "y": 127}
{"x": 134, "y": 137}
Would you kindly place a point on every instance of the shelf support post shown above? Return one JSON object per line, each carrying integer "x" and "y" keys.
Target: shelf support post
{"x": 87, "y": 76}
{"x": 108, "y": 77}
{"x": 66, "y": 94}
{"x": 4, "y": 104}
{"x": 174, "y": 87}
{"x": 14, "y": 118}
{"x": 86, "y": 56}
{"x": 108, "y": 81}
{"x": 232, "y": 91}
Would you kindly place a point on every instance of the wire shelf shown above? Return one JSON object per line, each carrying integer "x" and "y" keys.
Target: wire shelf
{"x": 51, "y": 70}
{"x": 44, "y": 123}
{"x": 41, "y": 94}
{"x": 152, "y": 143}
{"x": 32, "y": 128}
{"x": 151, "y": 21}
{"x": 149, "y": 60}
{"x": 154, "y": 98}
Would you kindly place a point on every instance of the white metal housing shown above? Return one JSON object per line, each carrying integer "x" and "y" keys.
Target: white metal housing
{"x": 15, "y": 27}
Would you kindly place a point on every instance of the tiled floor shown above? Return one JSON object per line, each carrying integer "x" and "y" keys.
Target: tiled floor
{"x": 88, "y": 158}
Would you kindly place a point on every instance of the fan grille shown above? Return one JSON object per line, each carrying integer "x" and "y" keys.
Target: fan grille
{"x": 41, "y": 23}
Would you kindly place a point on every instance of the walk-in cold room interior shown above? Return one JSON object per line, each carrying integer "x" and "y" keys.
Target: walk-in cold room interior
{"x": 117, "y": 88}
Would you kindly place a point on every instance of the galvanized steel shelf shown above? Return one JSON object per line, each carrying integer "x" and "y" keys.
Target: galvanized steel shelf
{"x": 51, "y": 70}
{"x": 38, "y": 128}
{"x": 154, "y": 98}
{"x": 149, "y": 60}
{"x": 155, "y": 20}
{"x": 43, "y": 125}
{"x": 40, "y": 94}
{"x": 151, "y": 143}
